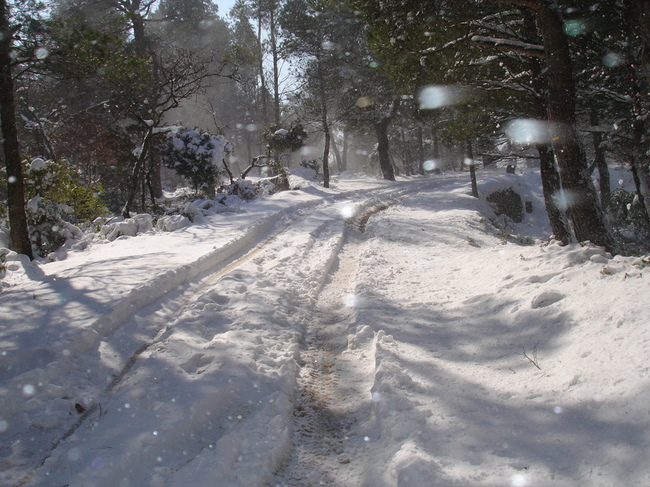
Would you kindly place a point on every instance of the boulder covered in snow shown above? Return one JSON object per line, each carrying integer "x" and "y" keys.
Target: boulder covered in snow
{"x": 507, "y": 202}
{"x": 129, "y": 227}
{"x": 170, "y": 223}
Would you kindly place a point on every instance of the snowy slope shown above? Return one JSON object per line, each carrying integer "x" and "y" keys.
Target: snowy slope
{"x": 280, "y": 346}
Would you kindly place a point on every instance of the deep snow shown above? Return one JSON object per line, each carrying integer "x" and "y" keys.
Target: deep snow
{"x": 275, "y": 344}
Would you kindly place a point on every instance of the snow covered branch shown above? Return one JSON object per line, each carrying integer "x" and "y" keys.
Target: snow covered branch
{"x": 511, "y": 45}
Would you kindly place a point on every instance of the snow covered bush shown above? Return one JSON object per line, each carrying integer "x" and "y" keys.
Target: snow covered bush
{"x": 3, "y": 262}
{"x": 302, "y": 177}
{"x": 628, "y": 217}
{"x": 196, "y": 156}
{"x": 280, "y": 139}
{"x": 48, "y": 228}
{"x": 56, "y": 201}
{"x": 244, "y": 189}
{"x": 56, "y": 182}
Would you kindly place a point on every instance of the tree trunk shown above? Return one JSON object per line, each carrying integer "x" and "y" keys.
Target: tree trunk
{"x": 140, "y": 41}
{"x": 324, "y": 121}
{"x": 551, "y": 184}
{"x": 435, "y": 144}
{"x": 326, "y": 156}
{"x": 640, "y": 168}
{"x": 639, "y": 75}
{"x": 406, "y": 161}
{"x": 156, "y": 179}
{"x": 472, "y": 169}
{"x": 20, "y": 241}
{"x": 136, "y": 173}
{"x": 276, "y": 68}
{"x": 552, "y": 188}
{"x": 346, "y": 147}
{"x": 383, "y": 150}
{"x": 644, "y": 21}
{"x": 600, "y": 162}
{"x": 420, "y": 138}
{"x": 586, "y": 215}
{"x": 260, "y": 67}
{"x": 383, "y": 146}
{"x": 40, "y": 136}
{"x": 337, "y": 155}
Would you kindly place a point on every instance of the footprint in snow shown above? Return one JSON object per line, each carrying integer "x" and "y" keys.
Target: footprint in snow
{"x": 546, "y": 298}
{"x": 197, "y": 361}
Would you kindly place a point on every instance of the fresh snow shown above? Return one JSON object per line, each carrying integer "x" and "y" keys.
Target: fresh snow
{"x": 370, "y": 334}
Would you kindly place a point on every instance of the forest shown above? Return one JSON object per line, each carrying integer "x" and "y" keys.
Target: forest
{"x": 106, "y": 104}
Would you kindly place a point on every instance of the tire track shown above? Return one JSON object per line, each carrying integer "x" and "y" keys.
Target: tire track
{"x": 327, "y": 443}
{"x": 333, "y": 390}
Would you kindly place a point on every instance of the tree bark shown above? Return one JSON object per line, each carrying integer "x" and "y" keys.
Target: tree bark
{"x": 276, "y": 58}
{"x": 137, "y": 172}
{"x": 324, "y": 122}
{"x": 639, "y": 75}
{"x": 600, "y": 162}
{"x": 472, "y": 168}
{"x": 20, "y": 241}
{"x": 585, "y": 213}
{"x": 383, "y": 146}
{"x": 551, "y": 188}
{"x": 337, "y": 155}
{"x": 420, "y": 139}
{"x": 260, "y": 67}
{"x": 551, "y": 184}
{"x": 383, "y": 150}
{"x": 40, "y": 136}
{"x": 644, "y": 21}
{"x": 346, "y": 147}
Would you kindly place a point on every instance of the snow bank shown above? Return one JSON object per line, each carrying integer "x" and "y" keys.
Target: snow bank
{"x": 497, "y": 363}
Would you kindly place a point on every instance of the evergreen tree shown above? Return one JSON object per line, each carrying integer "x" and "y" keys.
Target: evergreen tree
{"x": 11, "y": 24}
{"x": 318, "y": 34}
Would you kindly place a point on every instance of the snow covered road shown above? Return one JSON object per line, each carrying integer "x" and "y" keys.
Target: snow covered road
{"x": 192, "y": 361}
{"x": 283, "y": 346}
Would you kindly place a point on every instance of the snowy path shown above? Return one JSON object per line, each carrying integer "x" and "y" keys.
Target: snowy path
{"x": 207, "y": 369}
{"x": 333, "y": 385}
{"x": 282, "y": 347}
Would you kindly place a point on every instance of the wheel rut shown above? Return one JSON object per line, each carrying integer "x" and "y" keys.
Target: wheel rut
{"x": 328, "y": 448}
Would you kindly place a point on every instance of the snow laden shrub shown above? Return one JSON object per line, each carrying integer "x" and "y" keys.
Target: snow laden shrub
{"x": 244, "y": 189}
{"x": 3, "y": 262}
{"x": 628, "y": 217}
{"x": 48, "y": 228}
{"x": 196, "y": 156}
{"x": 56, "y": 182}
{"x": 280, "y": 139}
{"x": 57, "y": 200}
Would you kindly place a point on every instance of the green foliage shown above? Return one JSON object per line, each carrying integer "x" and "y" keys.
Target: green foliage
{"x": 282, "y": 139}
{"x": 56, "y": 199}
{"x": 190, "y": 23}
{"x": 80, "y": 49}
{"x": 417, "y": 42}
{"x": 55, "y": 182}
{"x": 194, "y": 155}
